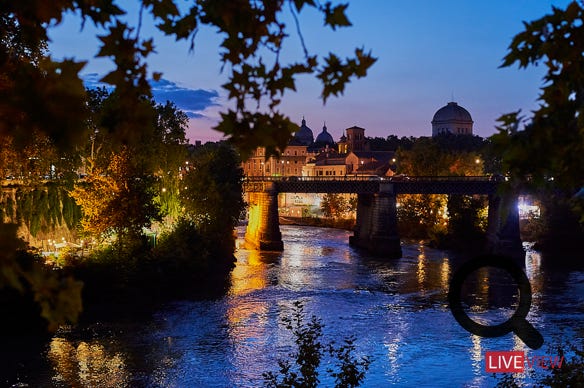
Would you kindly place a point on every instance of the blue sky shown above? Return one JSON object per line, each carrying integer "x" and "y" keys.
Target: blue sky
{"x": 428, "y": 51}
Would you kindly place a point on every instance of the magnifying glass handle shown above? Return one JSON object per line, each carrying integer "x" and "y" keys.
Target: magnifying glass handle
{"x": 528, "y": 334}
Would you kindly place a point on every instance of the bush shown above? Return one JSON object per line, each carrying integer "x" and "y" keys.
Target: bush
{"x": 301, "y": 369}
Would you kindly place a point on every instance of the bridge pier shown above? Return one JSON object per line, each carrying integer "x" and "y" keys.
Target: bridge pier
{"x": 263, "y": 227}
{"x": 376, "y": 226}
{"x": 503, "y": 236}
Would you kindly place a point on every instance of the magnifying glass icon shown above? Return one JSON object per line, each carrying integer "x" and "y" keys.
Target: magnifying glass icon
{"x": 517, "y": 323}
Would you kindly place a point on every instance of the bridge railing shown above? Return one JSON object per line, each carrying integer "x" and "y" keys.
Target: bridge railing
{"x": 357, "y": 177}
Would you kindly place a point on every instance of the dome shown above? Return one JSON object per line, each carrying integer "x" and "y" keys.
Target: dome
{"x": 453, "y": 119}
{"x": 304, "y": 135}
{"x": 324, "y": 138}
{"x": 451, "y": 112}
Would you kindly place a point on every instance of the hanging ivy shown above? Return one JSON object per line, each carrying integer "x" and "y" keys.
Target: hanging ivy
{"x": 71, "y": 211}
{"x": 9, "y": 207}
{"x": 24, "y": 201}
{"x": 56, "y": 216}
{"x": 43, "y": 209}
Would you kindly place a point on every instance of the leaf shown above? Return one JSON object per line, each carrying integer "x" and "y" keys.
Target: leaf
{"x": 336, "y": 17}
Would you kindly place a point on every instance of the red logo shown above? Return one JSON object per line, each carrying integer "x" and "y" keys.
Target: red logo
{"x": 514, "y": 362}
{"x": 505, "y": 362}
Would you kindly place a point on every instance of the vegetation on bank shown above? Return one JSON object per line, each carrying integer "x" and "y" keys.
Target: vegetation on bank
{"x": 153, "y": 218}
{"x": 302, "y": 366}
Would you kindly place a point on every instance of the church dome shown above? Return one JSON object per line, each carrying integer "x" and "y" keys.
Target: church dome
{"x": 452, "y": 112}
{"x": 324, "y": 138}
{"x": 453, "y": 119}
{"x": 304, "y": 135}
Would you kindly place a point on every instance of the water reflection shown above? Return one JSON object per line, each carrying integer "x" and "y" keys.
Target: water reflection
{"x": 396, "y": 309}
{"x": 251, "y": 273}
{"x": 445, "y": 273}
{"x": 87, "y": 364}
{"x": 421, "y": 272}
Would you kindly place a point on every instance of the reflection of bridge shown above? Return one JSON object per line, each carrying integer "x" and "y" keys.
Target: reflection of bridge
{"x": 376, "y": 227}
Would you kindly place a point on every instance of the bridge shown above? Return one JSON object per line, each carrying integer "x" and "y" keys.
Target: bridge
{"x": 376, "y": 227}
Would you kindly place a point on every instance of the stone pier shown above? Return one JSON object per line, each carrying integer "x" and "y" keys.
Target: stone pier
{"x": 263, "y": 228}
{"x": 376, "y": 226}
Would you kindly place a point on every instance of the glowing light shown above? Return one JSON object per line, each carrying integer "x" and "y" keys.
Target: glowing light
{"x": 527, "y": 209}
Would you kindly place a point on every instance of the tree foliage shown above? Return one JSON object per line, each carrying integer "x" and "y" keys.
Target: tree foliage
{"x": 48, "y": 95}
{"x": 119, "y": 200}
{"x": 58, "y": 296}
{"x": 549, "y": 149}
{"x": 426, "y": 215}
{"x": 441, "y": 156}
{"x": 334, "y": 205}
{"x": 43, "y": 208}
{"x": 212, "y": 196}
{"x": 301, "y": 368}
{"x": 48, "y": 118}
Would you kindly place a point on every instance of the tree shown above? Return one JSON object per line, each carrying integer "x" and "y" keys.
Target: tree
{"x": 334, "y": 205}
{"x": 548, "y": 152}
{"x": 171, "y": 152}
{"x": 447, "y": 155}
{"x": 212, "y": 196}
{"x": 116, "y": 201}
{"x": 253, "y": 35}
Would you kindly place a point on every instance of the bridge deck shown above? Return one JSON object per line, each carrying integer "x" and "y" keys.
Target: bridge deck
{"x": 370, "y": 185}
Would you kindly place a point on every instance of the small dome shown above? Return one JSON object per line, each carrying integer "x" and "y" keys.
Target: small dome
{"x": 304, "y": 135}
{"x": 325, "y": 138}
{"x": 451, "y": 112}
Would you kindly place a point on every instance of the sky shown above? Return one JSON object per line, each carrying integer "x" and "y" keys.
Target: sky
{"x": 429, "y": 53}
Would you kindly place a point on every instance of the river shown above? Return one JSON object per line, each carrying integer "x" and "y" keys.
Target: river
{"x": 397, "y": 310}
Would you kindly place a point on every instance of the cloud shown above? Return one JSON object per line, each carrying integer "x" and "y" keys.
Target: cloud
{"x": 191, "y": 101}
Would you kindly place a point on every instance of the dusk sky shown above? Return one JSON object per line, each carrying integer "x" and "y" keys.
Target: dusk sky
{"x": 429, "y": 52}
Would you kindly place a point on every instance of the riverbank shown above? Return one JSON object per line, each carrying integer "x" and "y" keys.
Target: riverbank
{"x": 337, "y": 223}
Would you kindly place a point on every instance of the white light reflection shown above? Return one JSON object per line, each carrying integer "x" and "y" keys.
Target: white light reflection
{"x": 394, "y": 345}
{"x": 393, "y": 352}
{"x": 421, "y": 272}
{"x": 476, "y": 355}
